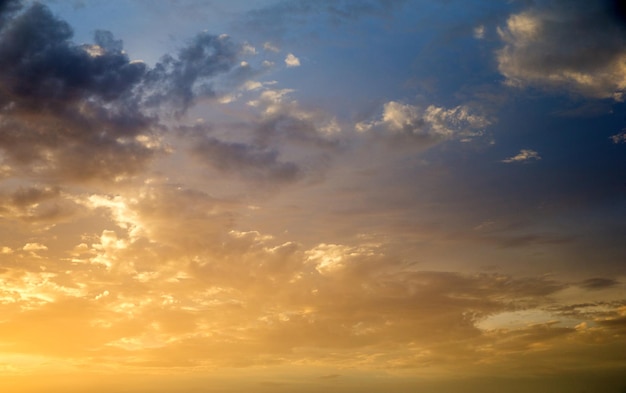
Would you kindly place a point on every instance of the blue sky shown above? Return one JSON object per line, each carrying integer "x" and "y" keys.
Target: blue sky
{"x": 304, "y": 195}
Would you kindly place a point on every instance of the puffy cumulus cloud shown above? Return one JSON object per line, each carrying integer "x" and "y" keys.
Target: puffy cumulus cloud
{"x": 525, "y": 155}
{"x": 292, "y": 61}
{"x": 428, "y": 125}
{"x": 34, "y": 247}
{"x": 573, "y": 45}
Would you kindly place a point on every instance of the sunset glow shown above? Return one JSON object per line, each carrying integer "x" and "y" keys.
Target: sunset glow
{"x": 312, "y": 196}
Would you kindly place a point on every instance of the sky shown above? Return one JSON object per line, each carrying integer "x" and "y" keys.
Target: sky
{"x": 203, "y": 196}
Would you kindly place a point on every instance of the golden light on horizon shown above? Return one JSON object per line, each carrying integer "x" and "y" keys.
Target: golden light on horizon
{"x": 345, "y": 196}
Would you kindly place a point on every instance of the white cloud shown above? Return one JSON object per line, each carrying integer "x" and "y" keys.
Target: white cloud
{"x": 524, "y": 155}
{"x": 268, "y": 46}
{"x": 248, "y": 49}
{"x": 619, "y": 137}
{"x": 252, "y": 85}
{"x": 434, "y": 122}
{"x": 292, "y": 61}
{"x": 34, "y": 247}
{"x": 479, "y": 32}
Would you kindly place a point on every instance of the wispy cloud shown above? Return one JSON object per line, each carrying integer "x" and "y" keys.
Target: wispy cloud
{"x": 524, "y": 155}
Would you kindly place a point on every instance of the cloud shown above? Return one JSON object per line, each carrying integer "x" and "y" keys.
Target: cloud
{"x": 34, "y": 247}
{"x": 525, "y": 155}
{"x": 571, "y": 45}
{"x": 429, "y": 125}
{"x": 292, "y": 61}
{"x": 268, "y": 46}
{"x": 85, "y": 92}
{"x": 37, "y": 204}
{"x": 252, "y": 162}
{"x": 619, "y": 137}
{"x": 479, "y": 32}
{"x": 180, "y": 80}
{"x": 598, "y": 283}
{"x": 87, "y": 112}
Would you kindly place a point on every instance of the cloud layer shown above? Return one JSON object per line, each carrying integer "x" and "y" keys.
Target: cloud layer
{"x": 227, "y": 218}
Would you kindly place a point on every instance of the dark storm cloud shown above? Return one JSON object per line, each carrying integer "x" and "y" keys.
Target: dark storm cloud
{"x": 86, "y": 111}
{"x": 7, "y": 7}
{"x": 576, "y": 45}
{"x": 68, "y": 110}
{"x": 42, "y": 68}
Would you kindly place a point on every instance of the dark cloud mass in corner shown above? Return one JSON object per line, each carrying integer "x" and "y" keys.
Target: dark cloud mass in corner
{"x": 576, "y": 45}
{"x": 68, "y": 110}
{"x": 85, "y": 111}
{"x": 7, "y": 7}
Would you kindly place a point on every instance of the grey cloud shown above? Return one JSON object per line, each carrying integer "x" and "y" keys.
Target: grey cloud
{"x": 36, "y": 204}
{"x": 251, "y": 161}
{"x": 68, "y": 110}
{"x": 181, "y": 80}
{"x": 84, "y": 112}
{"x": 33, "y": 195}
{"x": 577, "y": 45}
{"x": 598, "y": 283}
{"x": 7, "y": 8}
{"x": 283, "y": 127}
{"x": 42, "y": 68}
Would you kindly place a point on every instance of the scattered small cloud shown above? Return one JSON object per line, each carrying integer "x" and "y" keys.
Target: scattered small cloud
{"x": 292, "y": 61}
{"x": 248, "y": 49}
{"x": 268, "y": 46}
{"x": 525, "y": 155}
{"x": 619, "y": 137}
{"x": 479, "y": 32}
